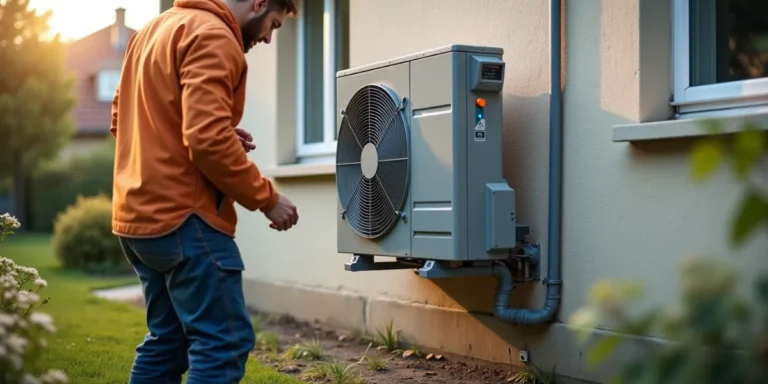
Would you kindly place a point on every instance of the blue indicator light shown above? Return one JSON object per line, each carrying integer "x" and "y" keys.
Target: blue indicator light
{"x": 479, "y": 115}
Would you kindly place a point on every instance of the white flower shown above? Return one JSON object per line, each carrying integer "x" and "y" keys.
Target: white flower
{"x": 9, "y": 222}
{"x": 29, "y": 271}
{"x": 55, "y": 376}
{"x": 16, "y": 343}
{"x": 7, "y": 320}
{"x": 44, "y": 320}
{"x": 41, "y": 283}
{"x": 29, "y": 379}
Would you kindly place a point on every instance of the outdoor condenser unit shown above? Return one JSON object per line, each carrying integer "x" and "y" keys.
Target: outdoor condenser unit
{"x": 419, "y": 159}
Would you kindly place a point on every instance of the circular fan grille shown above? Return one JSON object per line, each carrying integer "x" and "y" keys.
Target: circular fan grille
{"x": 372, "y": 161}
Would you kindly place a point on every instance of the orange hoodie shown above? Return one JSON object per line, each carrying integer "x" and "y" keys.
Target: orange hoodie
{"x": 181, "y": 94}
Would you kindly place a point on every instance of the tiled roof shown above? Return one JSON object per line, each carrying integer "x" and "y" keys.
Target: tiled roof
{"x": 84, "y": 59}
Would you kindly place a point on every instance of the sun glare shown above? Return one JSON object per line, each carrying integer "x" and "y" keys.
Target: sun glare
{"x": 74, "y": 20}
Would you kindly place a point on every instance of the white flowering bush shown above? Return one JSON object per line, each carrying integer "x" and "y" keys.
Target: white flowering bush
{"x": 22, "y": 329}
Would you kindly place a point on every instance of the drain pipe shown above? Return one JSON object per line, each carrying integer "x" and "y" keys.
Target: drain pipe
{"x": 501, "y": 272}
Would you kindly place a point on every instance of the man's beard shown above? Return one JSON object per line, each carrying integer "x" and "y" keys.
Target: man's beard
{"x": 250, "y": 29}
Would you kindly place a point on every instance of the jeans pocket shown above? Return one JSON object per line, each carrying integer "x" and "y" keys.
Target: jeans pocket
{"x": 160, "y": 253}
{"x": 221, "y": 248}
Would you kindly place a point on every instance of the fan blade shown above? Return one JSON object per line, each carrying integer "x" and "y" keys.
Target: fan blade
{"x": 348, "y": 179}
{"x": 348, "y": 149}
{"x": 394, "y": 180}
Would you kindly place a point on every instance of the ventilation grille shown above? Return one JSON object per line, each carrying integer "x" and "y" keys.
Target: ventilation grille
{"x": 372, "y": 161}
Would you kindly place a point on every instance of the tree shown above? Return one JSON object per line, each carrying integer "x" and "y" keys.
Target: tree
{"x": 35, "y": 96}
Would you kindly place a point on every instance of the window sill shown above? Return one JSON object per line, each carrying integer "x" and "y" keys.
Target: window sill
{"x": 684, "y": 128}
{"x": 292, "y": 171}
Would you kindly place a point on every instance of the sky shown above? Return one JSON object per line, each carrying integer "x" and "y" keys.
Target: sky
{"x": 78, "y": 18}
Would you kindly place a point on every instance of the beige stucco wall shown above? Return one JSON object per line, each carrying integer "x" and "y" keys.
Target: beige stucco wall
{"x": 629, "y": 211}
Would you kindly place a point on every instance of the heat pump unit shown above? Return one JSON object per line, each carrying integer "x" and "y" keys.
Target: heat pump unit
{"x": 419, "y": 158}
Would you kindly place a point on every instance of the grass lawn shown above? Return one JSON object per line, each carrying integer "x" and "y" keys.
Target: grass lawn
{"x": 95, "y": 338}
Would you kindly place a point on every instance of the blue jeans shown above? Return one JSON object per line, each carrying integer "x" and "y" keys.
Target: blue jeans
{"x": 196, "y": 313}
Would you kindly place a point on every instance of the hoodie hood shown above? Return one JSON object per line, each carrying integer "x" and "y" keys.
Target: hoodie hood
{"x": 218, "y": 8}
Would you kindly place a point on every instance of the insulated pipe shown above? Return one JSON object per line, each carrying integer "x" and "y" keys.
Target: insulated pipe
{"x": 502, "y": 274}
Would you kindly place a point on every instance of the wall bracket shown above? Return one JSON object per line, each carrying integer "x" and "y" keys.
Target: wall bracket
{"x": 363, "y": 263}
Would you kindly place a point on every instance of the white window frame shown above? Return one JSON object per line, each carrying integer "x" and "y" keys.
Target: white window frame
{"x": 324, "y": 151}
{"x": 715, "y": 99}
{"x": 104, "y": 82}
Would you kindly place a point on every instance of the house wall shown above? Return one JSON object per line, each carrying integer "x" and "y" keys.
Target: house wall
{"x": 630, "y": 211}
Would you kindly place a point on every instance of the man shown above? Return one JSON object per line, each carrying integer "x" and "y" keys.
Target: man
{"x": 180, "y": 166}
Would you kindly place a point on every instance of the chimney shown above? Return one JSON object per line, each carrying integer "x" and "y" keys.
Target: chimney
{"x": 120, "y": 17}
{"x": 119, "y": 31}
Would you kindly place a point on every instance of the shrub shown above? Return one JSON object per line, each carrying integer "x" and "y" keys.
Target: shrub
{"x": 83, "y": 237}
{"x": 58, "y": 185}
{"x": 22, "y": 329}
{"x": 716, "y": 336}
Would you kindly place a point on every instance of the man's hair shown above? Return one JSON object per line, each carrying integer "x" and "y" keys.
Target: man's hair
{"x": 289, "y": 6}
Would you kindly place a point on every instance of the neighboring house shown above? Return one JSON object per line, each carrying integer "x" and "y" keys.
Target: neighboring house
{"x": 630, "y": 209}
{"x": 95, "y": 61}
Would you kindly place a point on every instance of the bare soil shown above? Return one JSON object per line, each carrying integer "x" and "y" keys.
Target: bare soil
{"x": 343, "y": 347}
{"x": 403, "y": 366}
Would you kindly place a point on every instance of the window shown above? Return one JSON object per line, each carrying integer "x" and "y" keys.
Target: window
{"x": 322, "y": 49}
{"x": 720, "y": 56}
{"x": 106, "y": 84}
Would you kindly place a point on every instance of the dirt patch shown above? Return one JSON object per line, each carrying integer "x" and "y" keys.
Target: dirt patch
{"x": 350, "y": 348}
{"x": 279, "y": 336}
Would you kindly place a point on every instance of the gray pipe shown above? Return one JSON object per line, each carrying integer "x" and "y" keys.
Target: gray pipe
{"x": 505, "y": 285}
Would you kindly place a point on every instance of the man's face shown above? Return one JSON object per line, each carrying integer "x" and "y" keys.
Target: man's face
{"x": 259, "y": 26}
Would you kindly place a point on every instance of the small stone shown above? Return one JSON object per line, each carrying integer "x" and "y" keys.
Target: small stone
{"x": 288, "y": 369}
{"x": 430, "y": 373}
{"x": 381, "y": 348}
{"x": 408, "y": 354}
{"x": 298, "y": 335}
{"x": 342, "y": 337}
{"x": 438, "y": 357}
{"x": 430, "y": 356}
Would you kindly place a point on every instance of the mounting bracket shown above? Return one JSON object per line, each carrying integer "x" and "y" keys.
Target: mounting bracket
{"x": 523, "y": 262}
{"x": 363, "y": 263}
{"x": 434, "y": 269}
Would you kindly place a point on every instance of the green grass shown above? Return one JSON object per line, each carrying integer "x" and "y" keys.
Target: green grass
{"x": 95, "y": 339}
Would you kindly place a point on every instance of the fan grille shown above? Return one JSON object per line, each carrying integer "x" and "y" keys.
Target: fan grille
{"x": 372, "y": 161}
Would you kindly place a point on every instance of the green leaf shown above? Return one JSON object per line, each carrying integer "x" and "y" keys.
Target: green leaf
{"x": 749, "y": 147}
{"x": 636, "y": 372}
{"x": 603, "y": 348}
{"x": 706, "y": 157}
{"x": 751, "y": 214}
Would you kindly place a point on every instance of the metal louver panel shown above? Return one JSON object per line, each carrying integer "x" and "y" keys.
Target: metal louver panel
{"x": 372, "y": 161}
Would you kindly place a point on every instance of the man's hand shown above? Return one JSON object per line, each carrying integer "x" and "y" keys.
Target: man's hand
{"x": 283, "y": 216}
{"x": 246, "y": 139}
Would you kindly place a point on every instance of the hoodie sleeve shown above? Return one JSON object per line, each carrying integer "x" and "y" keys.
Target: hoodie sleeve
{"x": 210, "y": 67}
